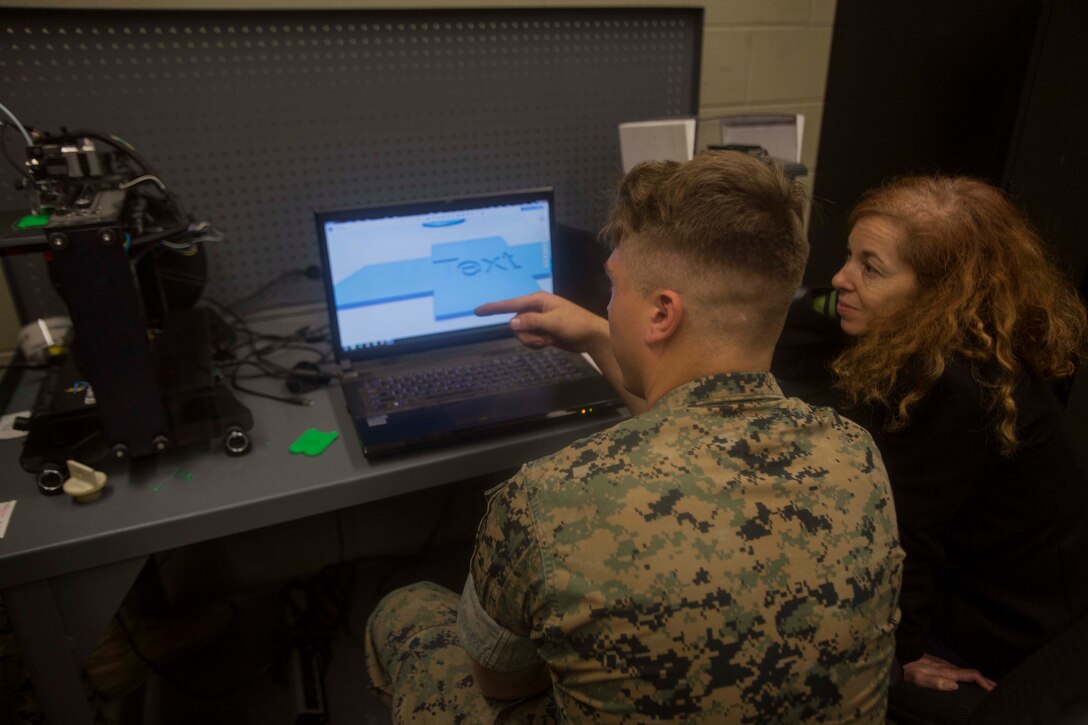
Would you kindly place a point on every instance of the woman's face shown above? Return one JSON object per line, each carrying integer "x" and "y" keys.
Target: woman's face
{"x": 875, "y": 282}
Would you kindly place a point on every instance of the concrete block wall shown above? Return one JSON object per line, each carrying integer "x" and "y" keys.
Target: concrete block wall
{"x": 768, "y": 56}
{"x": 759, "y": 56}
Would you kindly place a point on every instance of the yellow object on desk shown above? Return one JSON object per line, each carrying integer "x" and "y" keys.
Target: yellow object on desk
{"x": 85, "y": 484}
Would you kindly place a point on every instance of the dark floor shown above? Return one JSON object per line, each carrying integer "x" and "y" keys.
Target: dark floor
{"x": 246, "y": 663}
{"x": 242, "y": 676}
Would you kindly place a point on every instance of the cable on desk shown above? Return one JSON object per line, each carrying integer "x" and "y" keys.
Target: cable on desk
{"x": 305, "y": 333}
{"x": 252, "y": 349}
{"x": 292, "y": 399}
{"x": 181, "y": 238}
{"x": 142, "y": 179}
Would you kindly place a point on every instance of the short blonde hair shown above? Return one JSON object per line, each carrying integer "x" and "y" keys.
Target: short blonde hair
{"x": 722, "y": 221}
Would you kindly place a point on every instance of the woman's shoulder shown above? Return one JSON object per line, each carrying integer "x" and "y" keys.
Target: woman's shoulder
{"x": 961, "y": 379}
{"x": 957, "y": 390}
{"x": 963, "y": 393}
{"x": 951, "y": 412}
{"x": 968, "y": 382}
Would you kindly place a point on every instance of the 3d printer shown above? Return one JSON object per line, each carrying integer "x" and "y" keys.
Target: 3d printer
{"x": 128, "y": 262}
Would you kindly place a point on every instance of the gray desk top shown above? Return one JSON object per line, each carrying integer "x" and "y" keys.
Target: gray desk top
{"x": 197, "y": 493}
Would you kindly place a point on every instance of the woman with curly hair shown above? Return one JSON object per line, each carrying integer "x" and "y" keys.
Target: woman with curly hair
{"x": 960, "y": 323}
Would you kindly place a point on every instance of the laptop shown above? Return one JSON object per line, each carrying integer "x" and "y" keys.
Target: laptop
{"x": 419, "y": 368}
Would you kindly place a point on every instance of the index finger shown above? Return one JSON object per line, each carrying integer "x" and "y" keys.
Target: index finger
{"x": 525, "y": 303}
{"x": 984, "y": 682}
{"x": 962, "y": 674}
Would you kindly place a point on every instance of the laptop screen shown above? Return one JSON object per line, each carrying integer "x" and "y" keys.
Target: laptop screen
{"x": 409, "y": 276}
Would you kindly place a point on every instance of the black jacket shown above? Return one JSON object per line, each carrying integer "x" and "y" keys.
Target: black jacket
{"x": 997, "y": 547}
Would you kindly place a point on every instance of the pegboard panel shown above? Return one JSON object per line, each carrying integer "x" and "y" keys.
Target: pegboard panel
{"x": 256, "y": 119}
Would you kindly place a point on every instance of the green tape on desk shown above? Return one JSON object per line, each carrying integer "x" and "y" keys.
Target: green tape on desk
{"x": 31, "y": 221}
{"x": 313, "y": 442}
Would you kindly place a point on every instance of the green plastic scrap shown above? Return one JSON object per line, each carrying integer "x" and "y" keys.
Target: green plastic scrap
{"x": 313, "y": 442}
{"x": 32, "y": 220}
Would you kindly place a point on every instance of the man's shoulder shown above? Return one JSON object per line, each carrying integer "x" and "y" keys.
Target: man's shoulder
{"x": 642, "y": 442}
{"x": 823, "y": 417}
{"x": 820, "y": 424}
{"x": 601, "y": 450}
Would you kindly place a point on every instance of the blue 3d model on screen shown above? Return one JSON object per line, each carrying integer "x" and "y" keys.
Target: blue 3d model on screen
{"x": 459, "y": 275}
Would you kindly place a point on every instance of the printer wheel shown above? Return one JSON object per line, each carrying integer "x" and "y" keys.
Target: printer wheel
{"x": 236, "y": 442}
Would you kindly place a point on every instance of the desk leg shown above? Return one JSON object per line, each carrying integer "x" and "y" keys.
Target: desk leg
{"x": 57, "y": 623}
{"x": 87, "y": 601}
{"x": 44, "y": 648}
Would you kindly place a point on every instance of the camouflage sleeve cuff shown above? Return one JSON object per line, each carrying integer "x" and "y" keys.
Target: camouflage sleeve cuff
{"x": 488, "y": 642}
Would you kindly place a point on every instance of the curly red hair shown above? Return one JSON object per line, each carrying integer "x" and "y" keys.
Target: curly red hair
{"x": 987, "y": 292}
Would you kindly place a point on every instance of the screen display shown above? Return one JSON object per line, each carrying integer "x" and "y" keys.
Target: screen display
{"x": 419, "y": 274}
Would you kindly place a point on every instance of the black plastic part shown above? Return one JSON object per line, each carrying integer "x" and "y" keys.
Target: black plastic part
{"x": 307, "y": 685}
{"x": 236, "y": 442}
{"x": 111, "y": 345}
{"x": 66, "y": 424}
{"x": 51, "y": 478}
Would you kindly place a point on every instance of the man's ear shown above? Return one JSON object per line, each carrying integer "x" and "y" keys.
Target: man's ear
{"x": 668, "y": 312}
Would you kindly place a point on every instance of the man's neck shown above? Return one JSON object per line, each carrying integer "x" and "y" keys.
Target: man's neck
{"x": 676, "y": 367}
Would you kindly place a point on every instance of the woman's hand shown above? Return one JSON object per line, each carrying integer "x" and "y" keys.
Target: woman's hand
{"x": 938, "y": 674}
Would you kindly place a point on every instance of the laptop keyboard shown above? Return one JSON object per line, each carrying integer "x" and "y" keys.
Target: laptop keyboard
{"x": 496, "y": 374}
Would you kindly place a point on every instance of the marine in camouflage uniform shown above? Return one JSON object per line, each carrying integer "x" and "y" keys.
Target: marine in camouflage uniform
{"x": 418, "y": 667}
{"x": 728, "y": 556}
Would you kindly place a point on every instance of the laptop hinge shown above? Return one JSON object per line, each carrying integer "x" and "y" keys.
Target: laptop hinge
{"x": 347, "y": 372}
